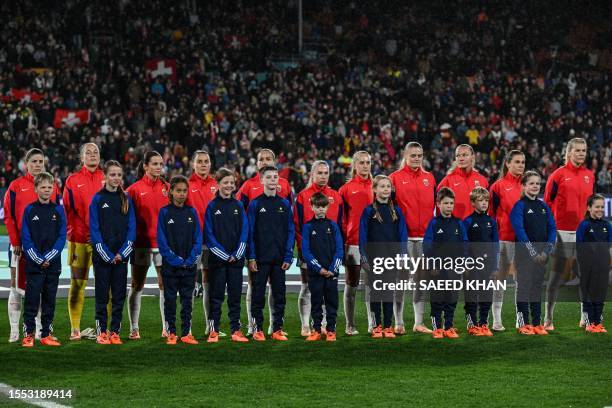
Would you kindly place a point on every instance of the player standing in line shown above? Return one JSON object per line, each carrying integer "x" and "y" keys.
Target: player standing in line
{"x": 112, "y": 224}
{"x": 323, "y": 251}
{"x": 179, "y": 237}
{"x": 356, "y": 195}
{"x": 202, "y": 189}
{"x": 593, "y": 239}
{"x": 251, "y": 189}
{"x": 79, "y": 190}
{"x": 445, "y": 237}
{"x": 271, "y": 240}
{"x": 381, "y": 222}
{"x": 566, "y": 193}
{"x": 535, "y": 230}
{"x": 462, "y": 178}
{"x": 43, "y": 235}
{"x": 505, "y": 192}
{"x": 21, "y": 192}
{"x": 415, "y": 193}
{"x": 482, "y": 233}
{"x": 149, "y": 194}
{"x": 304, "y": 212}
{"x": 226, "y": 231}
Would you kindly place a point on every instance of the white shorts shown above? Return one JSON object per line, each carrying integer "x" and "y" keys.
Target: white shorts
{"x": 353, "y": 256}
{"x": 415, "y": 247}
{"x": 566, "y": 244}
{"x": 506, "y": 254}
{"x": 146, "y": 256}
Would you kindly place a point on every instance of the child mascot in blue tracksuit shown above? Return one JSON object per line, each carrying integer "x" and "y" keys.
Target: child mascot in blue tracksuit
{"x": 483, "y": 235}
{"x": 112, "y": 227}
{"x": 381, "y": 222}
{"x": 226, "y": 230}
{"x": 271, "y": 240}
{"x": 593, "y": 238}
{"x": 445, "y": 237}
{"x": 43, "y": 236}
{"x": 322, "y": 249}
{"x": 536, "y": 233}
{"x": 179, "y": 238}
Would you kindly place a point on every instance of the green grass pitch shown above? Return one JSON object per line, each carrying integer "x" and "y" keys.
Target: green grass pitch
{"x": 565, "y": 369}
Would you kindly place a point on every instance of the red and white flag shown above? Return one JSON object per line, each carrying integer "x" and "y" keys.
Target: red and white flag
{"x": 25, "y": 95}
{"x": 65, "y": 117}
{"x": 161, "y": 67}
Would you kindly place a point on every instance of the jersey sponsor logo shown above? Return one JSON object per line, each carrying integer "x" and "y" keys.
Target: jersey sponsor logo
{"x": 568, "y": 178}
{"x": 426, "y": 182}
{"x": 262, "y": 210}
{"x": 256, "y": 188}
{"x": 24, "y": 189}
{"x": 194, "y": 191}
{"x": 171, "y": 221}
{"x": 406, "y": 182}
{"x": 354, "y": 192}
{"x": 218, "y": 212}
{"x": 456, "y": 184}
{"x": 509, "y": 188}
{"x": 35, "y": 218}
{"x": 80, "y": 185}
{"x": 143, "y": 193}
{"x": 105, "y": 205}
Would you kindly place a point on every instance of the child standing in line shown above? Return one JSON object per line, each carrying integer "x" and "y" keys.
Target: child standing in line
{"x": 226, "y": 231}
{"x": 445, "y": 237}
{"x": 179, "y": 238}
{"x": 482, "y": 233}
{"x": 593, "y": 239}
{"x": 381, "y": 222}
{"x": 536, "y": 233}
{"x": 43, "y": 236}
{"x": 322, "y": 249}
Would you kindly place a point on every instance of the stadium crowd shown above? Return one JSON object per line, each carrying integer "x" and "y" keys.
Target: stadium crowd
{"x": 421, "y": 72}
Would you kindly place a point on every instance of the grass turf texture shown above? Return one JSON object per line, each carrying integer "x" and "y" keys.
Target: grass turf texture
{"x": 2, "y": 229}
{"x": 565, "y": 369}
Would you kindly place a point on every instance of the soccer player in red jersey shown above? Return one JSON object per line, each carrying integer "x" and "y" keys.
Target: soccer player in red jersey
{"x": 202, "y": 190}
{"x": 415, "y": 191}
{"x": 149, "y": 194}
{"x": 504, "y": 193}
{"x": 78, "y": 192}
{"x": 462, "y": 178}
{"x": 356, "y": 195}
{"x": 20, "y": 194}
{"x": 566, "y": 193}
{"x": 302, "y": 213}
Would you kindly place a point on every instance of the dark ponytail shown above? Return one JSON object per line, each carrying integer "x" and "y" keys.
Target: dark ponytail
{"x": 125, "y": 204}
{"x": 140, "y": 171}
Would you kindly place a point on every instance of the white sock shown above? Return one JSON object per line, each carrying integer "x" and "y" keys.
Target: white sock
{"x": 14, "y": 309}
{"x": 398, "y": 307}
{"x": 496, "y": 307}
{"x": 161, "y": 308}
{"x": 324, "y": 320}
{"x": 270, "y": 309}
{"x": 349, "y": 306}
{"x": 419, "y": 310}
{"x": 584, "y": 317}
{"x": 206, "y": 303}
{"x": 38, "y": 323}
{"x": 371, "y": 320}
{"x": 249, "y": 295}
{"x": 304, "y": 305}
{"x": 134, "y": 299}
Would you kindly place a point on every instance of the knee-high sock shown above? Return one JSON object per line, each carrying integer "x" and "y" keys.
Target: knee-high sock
{"x": 419, "y": 309}
{"x": 324, "y": 319}
{"x": 76, "y": 298}
{"x": 14, "y": 310}
{"x": 584, "y": 317}
{"x": 161, "y": 308}
{"x": 270, "y": 309}
{"x": 249, "y": 295}
{"x": 496, "y": 307}
{"x": 109, "y": 308}
{"x": 371, "y": 319}
{"x": 38, "y": 322}
{"x": 398, "y": 307}
{"x": 304, "y": 306}
{"x": 552, "y": 291}
{"x": 134, "y": 299}
{"x": 349, "y": 305}
{"x": 206, "y": 302}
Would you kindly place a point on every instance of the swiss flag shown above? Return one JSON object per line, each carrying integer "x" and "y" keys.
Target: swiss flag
{"x": 160, "y": 66}
{"x": 70, "y": 117}
{"x": 22, "y": 94}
